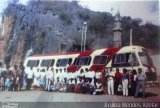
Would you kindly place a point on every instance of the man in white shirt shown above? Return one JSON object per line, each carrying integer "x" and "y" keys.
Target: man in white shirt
{"x": 56, "y": 75}
{"x": 49, "y": 77}
{"x": 30, "y": 76}
{"x": 36, "y": 79}
{"x": 91, "y": 75}
{"x": 110, "y": 83}
{"x": 46, "y": 80}
{"x": 141, "y": 77}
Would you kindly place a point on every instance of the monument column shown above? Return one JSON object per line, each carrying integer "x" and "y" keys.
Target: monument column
{"x": 117, "y": 31}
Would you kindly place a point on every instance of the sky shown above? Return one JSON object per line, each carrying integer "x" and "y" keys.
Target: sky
{"x": 147, "y": 10}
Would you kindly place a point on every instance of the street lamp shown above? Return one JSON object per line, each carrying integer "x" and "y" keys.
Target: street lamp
{"x": 85, "y": 32}
{"x": 83, "y": 40}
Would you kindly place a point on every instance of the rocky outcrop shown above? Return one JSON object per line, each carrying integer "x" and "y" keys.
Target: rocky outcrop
{"x": 46, "y": 27}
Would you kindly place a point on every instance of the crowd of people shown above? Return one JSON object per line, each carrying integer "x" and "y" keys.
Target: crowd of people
{"x": 84, "y": 81}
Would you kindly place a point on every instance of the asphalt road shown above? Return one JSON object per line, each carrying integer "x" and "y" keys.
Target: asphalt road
{"x": 43, "y": 99}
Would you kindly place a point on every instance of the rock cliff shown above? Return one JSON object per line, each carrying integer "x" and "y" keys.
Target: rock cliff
{"x": 49, "y": 27}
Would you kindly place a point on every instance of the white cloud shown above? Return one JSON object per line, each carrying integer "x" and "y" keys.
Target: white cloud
{"x": 23, "y": 1}
{"x": 135, "y": 9}
{"x": 3, "y": 4}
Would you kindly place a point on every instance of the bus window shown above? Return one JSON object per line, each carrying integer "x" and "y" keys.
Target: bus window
{"x": 120, "y": 58}
{"x": 52, "y": 62}
{"x": 75, "y": 61}
{"x": 33, "y": 63}
{"x": 47, "y": 63}
{"x": 29, "y": 63}
{"x": 63, "y": 62}
{"x": 125, "y": 59}
{"x": 58, "y": 62}
{"x": 70, "y": 61}
{"x": 43, "y": 63}
{"x": 100, "y": 59}
{"x": 78, "y": 61}
{"x": 96, "y": 60}
{"x": 145, "y": 59}
{"x": 36, "y": 63}
{"x": 83, "y": 61}
{"x": 103, "y": 60}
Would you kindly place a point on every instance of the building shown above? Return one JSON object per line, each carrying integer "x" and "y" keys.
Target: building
{"x": 117, "y": 31}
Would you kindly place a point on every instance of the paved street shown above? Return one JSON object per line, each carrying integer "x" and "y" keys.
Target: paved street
{"x": 153, "y": 95}
{"x": 42, "y": 96}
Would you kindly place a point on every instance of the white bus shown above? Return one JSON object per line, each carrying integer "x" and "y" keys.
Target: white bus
{"x": 129, "y": 57}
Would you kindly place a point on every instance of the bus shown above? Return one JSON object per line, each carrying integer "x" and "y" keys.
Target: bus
{"x": 129, "y": 57}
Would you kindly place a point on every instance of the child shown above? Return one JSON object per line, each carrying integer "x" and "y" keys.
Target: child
{"x": 7, "y": 84}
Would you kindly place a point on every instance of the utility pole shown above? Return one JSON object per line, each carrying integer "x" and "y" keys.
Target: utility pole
{"x": 131, "y": 37}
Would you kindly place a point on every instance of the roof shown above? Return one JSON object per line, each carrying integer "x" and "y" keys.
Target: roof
{"x": 89, "y": 52}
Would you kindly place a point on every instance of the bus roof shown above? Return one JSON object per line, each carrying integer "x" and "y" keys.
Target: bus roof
{"x": 86, "y": 53}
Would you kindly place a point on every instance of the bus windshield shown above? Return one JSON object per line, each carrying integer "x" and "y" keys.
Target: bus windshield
{"x": 125, "y": 60}
{"x": 145, "y": 59}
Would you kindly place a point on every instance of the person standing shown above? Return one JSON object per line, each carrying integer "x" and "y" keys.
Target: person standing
{"x": 47, "y": 77}
{"x": 103, "y": 79}
{"x": 50, "y": 77}
{"x": 15, "y": 78}
{"x": 125, "y": 82}
{"x": 36, "y": 79}
{"x": 141, "y": 80}
{"x": 118, "y": 81}
{"x": 110, "y": 78}
{"x": 97, "y": 76}
{"x": 3, "y": 80}
{"x": 133, "y": 80}
{"x": 21, "y": 78}
{"x": 42, "y": 81}
{"x": 30, "y": 76}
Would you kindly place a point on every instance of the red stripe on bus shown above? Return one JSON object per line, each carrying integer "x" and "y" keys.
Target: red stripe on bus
{"x": 74, "y": 68}
{"x": 86, "y": 53}
{"x": 110, "y": 52}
